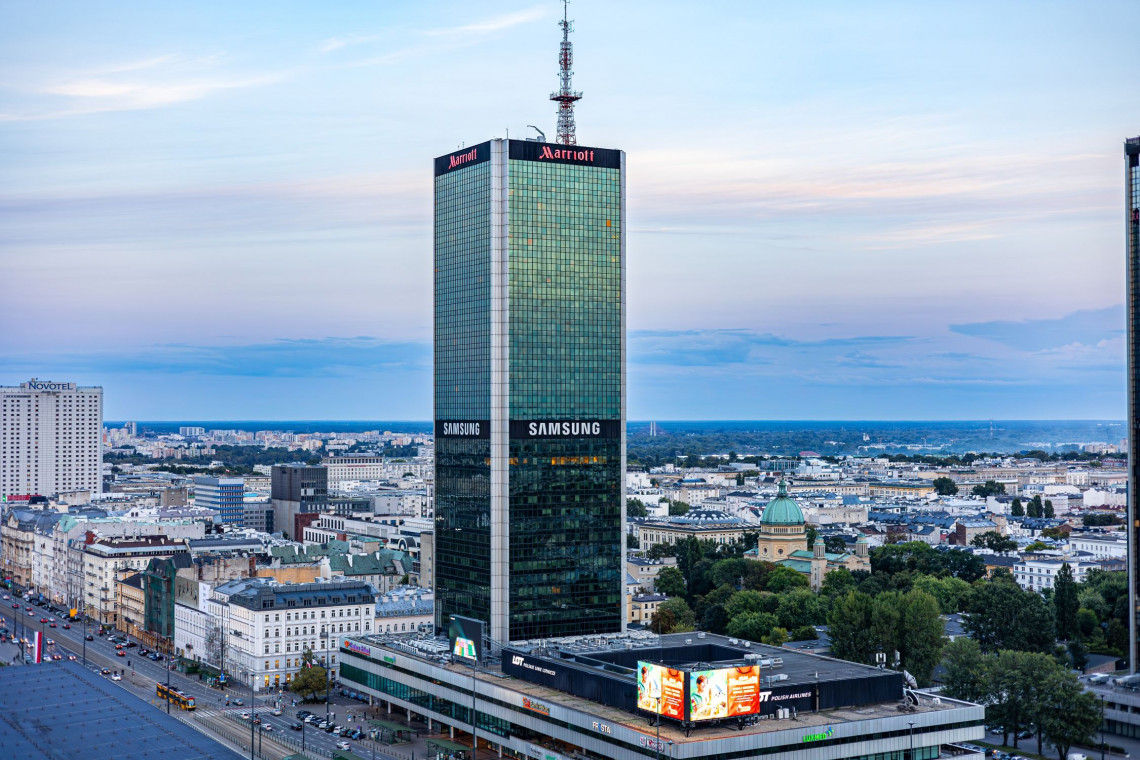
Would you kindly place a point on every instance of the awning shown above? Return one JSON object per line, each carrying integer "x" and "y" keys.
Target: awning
{"x": 390, "y": 726}
{"x": 448, "y": 745}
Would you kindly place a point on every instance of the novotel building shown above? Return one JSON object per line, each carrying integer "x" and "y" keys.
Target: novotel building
{"x": 637, "y": 695}
{"x": 530, "y": 388}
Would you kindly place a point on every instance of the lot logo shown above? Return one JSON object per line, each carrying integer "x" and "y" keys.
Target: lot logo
{"x": 463, "y": 158}
{"x": 516, "y": 660}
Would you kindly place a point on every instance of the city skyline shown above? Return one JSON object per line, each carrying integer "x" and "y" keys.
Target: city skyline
{"x": 227, "y": 217}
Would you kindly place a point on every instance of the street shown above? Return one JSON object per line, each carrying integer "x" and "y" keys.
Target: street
{"x": 141, "y": 674}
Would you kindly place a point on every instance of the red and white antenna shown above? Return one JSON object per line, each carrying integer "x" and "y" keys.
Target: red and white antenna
{"x": 565, "y": 97}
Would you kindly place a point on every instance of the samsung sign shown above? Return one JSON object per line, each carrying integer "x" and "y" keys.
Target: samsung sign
{"x": 462, "y": 428}
{"x": 521, "y": 429}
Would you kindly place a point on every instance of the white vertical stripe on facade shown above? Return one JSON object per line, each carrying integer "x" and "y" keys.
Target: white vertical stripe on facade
{"x": 500, "y": 392}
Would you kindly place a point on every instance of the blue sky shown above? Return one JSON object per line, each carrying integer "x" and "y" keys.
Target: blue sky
{"x": 882, "y": 210}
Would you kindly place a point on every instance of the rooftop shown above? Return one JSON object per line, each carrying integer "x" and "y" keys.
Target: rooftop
{"x": 61, "y": 710}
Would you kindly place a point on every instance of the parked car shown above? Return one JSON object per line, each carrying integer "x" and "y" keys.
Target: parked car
{"x": 297, "y": 726}
{"x": 303, "y": 713}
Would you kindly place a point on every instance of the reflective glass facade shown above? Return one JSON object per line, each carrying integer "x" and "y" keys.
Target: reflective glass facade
{"x": 463, "y": 389}
{"x": 1132, "y": 217}
{"x": 529, "y": 348}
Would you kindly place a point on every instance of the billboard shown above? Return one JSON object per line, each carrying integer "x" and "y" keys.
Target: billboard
{"x": 661, "y": 690}
{"x": 466, "y": 638}
{"x": 724, "y": 693}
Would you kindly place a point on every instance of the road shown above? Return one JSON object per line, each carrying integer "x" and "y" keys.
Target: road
{"x": 141, "y": 674}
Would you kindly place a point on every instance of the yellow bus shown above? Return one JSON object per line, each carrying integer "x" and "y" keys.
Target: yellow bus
{"x": 171, "y": 694}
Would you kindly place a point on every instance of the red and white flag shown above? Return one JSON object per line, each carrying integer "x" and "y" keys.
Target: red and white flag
{"x": 38, "y": 646}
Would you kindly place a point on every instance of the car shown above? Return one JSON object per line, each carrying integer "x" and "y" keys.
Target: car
{"x": 43, "y": 620}
{"x": 67, "y": 626}
{"x": 239, "y": 702}
{"x": 51, "y": 642}
{"x": 256, "y": 719}
{"x": 6, "y": 597}
{"x": 343, "y": 745}
{"x": 276, "y": 711}
{"x": 324, "y": 725}
{"x": 89, "y": 637}
{"x": 116, "y": 676}
{"x": 52, "y": 625}
{"x": 297, "y": 726}
{"x": 1077, "y": 756}
{"x": 32, "y": 614}
{"x": 57, "y": 656}
{"x": 29, "y": 609}
{"x": 245, "y": 716}
{"x": 72, "y": 657}
{"x": 264, "y": 726}
{"x": 303, "y": 713}
{"x": 105, "y": 671}
{"x": 130, "y": 644}
{"x": 143, "y": 650}
{"x": 118, "y": 646}
{"x": 312, "y": 719}
{"x": 121, "y": 653}
{"x": 15, "y": 606}
{"x": 1024, "y": 734}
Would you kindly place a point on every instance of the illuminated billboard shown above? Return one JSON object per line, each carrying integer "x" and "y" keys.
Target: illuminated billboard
{"x": 661, "y": 690}
{"x": 466, "y": 638}
{"x": 724, "y": 693}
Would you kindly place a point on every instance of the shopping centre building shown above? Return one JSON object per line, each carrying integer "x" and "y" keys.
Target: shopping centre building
{"x": 637, "y": 695}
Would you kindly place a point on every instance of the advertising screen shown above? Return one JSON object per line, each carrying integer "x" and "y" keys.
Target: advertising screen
{"x": 466, "y": 637}
{"x": 661, "y": 689}
{"x": 724, "y": 693}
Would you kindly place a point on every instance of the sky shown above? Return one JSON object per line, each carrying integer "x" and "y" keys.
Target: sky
{"x": 878, "y": 210}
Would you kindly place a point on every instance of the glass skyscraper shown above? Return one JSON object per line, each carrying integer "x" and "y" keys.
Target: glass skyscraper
{"x": 1132, "y": 236}
{"x": 530, "y": 388}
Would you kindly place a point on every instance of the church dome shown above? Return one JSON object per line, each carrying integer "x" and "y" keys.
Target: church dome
{"x": 782, "y": 510}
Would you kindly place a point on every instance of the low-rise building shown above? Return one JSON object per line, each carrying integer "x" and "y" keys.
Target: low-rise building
{"x": 642, "y": 608}
{"x": 1040, "y": 574}
{"x": 106, "y": 560}
{"x": 405, "y": 609}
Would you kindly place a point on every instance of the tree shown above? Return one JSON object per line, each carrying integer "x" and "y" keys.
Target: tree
{"x": 678, "y": 508}
{"x": 1034, "y": 508}
{"x": 965, "y": 670}
{"x": 783, "y": 579}
{"x": 798, "y": 608}
{"x": 849, "y": 627}
{"x": 308, "y": 682}
{"x": 670, "y": 582}
{"x": 951, "y": 593}
{"x": 635, "y": 508}
{"x": 631, "y": 541}
{"x": 776, "y": 637}
{"x": 837, "y": 583}
{"x": 945, "y": 486}
{"x": 835, "y": 545}
{"x": 994, "y": 541}
{"x": 805, "y": 633}
{"x": 1015, "y": 508}
{"x": 1070, "y": 715}
{"x": 989, "y": 488}
{"x": 753, "y": 626}
{"x": 1065, "y": 603}
{"x": 1056, "y": 533}
{"x": 745, "y": 602}
{"x": 1002, "y": 616}
{"x": 1047, "y": 510}
{"x": 921, "y": 635}
{"x": 811, "y": 534}
{"x": 673, "y": 616}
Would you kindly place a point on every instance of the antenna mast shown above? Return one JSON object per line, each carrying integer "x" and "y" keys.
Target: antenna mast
{"x": 565, "y": 97}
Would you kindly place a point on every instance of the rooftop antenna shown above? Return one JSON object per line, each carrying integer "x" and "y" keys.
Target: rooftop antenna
{"x": 541, "y": 135}
{"x": 565, "y": 97}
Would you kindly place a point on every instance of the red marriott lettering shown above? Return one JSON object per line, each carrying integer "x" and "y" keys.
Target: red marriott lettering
{"x": 566, "y": 155}
{"x": 462, "y": 158}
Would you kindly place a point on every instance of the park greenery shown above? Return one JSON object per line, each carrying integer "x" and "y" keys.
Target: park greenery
{"x": 898, "y": 607}
{"x": 310, "y": 680}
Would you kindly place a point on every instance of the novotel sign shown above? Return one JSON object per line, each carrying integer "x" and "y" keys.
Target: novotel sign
{"x": 43, "y": 385}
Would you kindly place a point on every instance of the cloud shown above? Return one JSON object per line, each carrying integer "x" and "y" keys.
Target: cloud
{"x": 148, "y": 83}
{"x": 310, "y": 358}
{"x": 496, "y": 24}
{"x": 1091, "y": 327}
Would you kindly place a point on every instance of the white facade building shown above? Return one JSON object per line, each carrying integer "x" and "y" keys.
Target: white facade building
{"x": 50, "y": 438}
{"x": 1038, "y": 574}
{"x": 1101, "y": 547}
{"x": 354, "y": 467}
{"x": 259, "y": 626}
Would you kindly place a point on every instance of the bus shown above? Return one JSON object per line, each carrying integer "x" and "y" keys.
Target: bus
{"x": 171, "y": 694}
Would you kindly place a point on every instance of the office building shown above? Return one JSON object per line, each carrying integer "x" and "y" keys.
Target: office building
{"x": 601, "y": 697}
{"x": 50, "y": 438}
{"x": 299, "y": 493}
{"x": 1132, "y": 239}
{"x": 354, "y": 467}
{"x": 530, "y": 388}
{"x": 226, "y": 496}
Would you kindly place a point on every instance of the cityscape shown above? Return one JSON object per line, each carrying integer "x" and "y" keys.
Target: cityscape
{"x": 658, "y": 437}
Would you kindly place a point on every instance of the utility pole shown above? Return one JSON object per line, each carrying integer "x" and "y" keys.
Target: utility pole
{"x": 253, "y": 714}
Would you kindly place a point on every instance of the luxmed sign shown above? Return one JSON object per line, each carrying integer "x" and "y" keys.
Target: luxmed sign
{"x": 44, "y": 385}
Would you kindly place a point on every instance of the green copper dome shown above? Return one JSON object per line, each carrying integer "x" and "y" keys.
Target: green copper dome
{"x": 782, "y": 510}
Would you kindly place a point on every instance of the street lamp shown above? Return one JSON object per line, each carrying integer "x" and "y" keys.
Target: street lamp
{"x": 1101, "y": 727}
{"x": 325, "y": 637}
{"x": 911, "y": 723}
